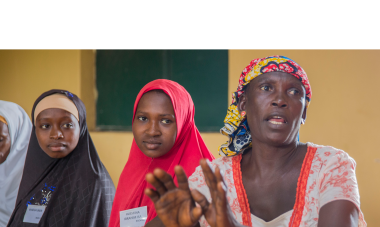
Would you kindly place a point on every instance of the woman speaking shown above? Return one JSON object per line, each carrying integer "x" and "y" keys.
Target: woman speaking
{"x": 266, "y": 177}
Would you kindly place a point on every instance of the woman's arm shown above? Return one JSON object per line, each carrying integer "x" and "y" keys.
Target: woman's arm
{"x": 339, "y": 213}
{"x": 338, "y": 192}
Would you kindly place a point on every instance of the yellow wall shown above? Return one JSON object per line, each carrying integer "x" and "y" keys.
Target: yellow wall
{"x": 26, "y": 74}
{"x": 343, "y": 108}
{"x": 342, "y": 112}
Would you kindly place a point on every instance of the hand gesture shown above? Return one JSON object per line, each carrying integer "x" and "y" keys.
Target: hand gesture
{"x": 218, "y": 213}
{"x": 174, "y": 206}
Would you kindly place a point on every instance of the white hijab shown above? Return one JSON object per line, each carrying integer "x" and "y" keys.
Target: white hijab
{"x": 20, "y": 128}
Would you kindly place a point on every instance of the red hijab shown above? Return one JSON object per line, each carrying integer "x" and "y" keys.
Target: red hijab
{"x": 187, "y": 150}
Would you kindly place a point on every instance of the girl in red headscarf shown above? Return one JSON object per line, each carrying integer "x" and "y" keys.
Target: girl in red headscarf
{"x": 165, "y": 135}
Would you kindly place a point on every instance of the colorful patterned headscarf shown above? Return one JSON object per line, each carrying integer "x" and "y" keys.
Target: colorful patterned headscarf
{"x": 235, "y": 125}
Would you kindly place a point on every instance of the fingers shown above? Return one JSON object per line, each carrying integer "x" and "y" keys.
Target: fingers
{"x": 153, "y": 195}
{"x": 165, "y": 178}
{"x": 183, "y": 184}
{"x": 196, "y": 214}
{"x": 161, "y": 189}
{"x": 201, "y": 200}
{"x": 221, "y": 201}
{"x": 209, "y": 175}
{"x": 218, "y": 175}
{"x": 161, "y": 180}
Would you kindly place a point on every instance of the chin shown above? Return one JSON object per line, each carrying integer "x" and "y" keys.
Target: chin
{"x": 57, "y": 154}
{"x": 154, "y": 155}
{"x": 279, "y": 140}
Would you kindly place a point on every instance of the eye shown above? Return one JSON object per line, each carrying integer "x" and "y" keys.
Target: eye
{"x": 265, "y": 88}
{"x": 45, "y": 126}
{"x": 166, "y": 121}
{"x": 142, "y": 118}
{"x": 294, "y": 92}
{"x": 68, "y": 125}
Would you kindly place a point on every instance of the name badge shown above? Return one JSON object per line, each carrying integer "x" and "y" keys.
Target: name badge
{"x": 34, "y": 213}
{"x": 134, "y": 217}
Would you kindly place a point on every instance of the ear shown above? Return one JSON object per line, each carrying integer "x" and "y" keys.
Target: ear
{"x": 304, "y": 115}
{"x": 242, "y": 102}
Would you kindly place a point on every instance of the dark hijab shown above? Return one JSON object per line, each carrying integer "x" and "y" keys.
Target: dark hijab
{"x": 76, "y": 190}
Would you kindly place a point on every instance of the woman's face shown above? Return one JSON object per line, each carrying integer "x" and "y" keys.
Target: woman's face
{"x": 154, "y": 126}
{"x": 275, "y": 105}
{"x": 57, "y": 132}
{"x": 5, "y": 142}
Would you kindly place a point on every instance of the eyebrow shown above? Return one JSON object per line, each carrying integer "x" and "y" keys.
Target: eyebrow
{"x": 167, "y": 115}
{"x": 268, "y": 80}
{"x": 46, "y": 118}
{"x": 159, "y": 115}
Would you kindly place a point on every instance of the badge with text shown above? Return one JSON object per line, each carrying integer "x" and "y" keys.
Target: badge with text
{"x": 34, "y": 213}
{"x": 134, "y": 217}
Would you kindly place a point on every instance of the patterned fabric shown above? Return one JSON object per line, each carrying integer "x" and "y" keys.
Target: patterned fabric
{"x": 236, "y": 126}
{"x": 327, "y": 174}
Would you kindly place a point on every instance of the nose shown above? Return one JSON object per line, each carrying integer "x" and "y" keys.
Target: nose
{"x": 153, "y": 129}
{"x": 279, "y": 100}
{"x": 56, "y": 133}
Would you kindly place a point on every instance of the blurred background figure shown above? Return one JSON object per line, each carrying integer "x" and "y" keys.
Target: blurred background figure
{"x": 15, "y": 129}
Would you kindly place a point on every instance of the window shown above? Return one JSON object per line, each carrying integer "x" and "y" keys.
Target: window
{"x": 120, "y": 74}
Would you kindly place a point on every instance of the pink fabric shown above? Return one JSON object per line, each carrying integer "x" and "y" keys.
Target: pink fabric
{"x": 188, "y": 149}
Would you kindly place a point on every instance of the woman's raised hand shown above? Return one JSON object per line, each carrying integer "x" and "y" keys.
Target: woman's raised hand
{"x": 218, "y": 213}
{"x": 174, "y": 205}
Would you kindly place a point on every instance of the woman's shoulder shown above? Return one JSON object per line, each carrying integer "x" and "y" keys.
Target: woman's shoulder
{"x": 224, "y": 164}
{"x": 330, "y": 154}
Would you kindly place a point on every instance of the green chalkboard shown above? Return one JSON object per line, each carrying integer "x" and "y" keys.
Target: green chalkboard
{"x": 120, "y": 74}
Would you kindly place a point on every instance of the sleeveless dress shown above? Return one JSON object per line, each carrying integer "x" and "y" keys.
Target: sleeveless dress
{"x": 327, "y": 174}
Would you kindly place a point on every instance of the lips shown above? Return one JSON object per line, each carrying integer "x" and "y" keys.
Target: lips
{"x": 152, "y": 145}
{"x": 276, "y": 119}
{"x": 57, "y": 146}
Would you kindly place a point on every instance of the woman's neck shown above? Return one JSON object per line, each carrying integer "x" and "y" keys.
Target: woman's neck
{"x": 265, "y": 159}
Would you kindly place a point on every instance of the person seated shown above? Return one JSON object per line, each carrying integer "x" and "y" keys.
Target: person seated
{"x": 165, "y": 135}
{"x": 64, "y": 183}
{"x": 266, "y": 177}
{"x": 15, "y": 129}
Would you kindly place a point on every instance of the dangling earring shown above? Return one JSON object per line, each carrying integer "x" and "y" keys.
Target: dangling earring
{"x": 242, "y": 114}
{"x": 302, "y": 121}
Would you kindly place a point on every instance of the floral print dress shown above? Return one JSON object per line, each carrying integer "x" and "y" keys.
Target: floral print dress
{"x": 327, "y": 174}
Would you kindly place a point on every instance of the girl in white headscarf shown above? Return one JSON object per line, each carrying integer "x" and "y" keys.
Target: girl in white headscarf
{"x": 15, "y": 126}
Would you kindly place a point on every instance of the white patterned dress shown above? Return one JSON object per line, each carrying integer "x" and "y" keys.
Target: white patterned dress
{"x": 327, "y": 174}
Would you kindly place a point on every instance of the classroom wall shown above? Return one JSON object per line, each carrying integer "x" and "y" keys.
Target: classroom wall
{"x": 343, "y": 108}
{"x": 26, "y": 74}
{"x": 342, "y": 112}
